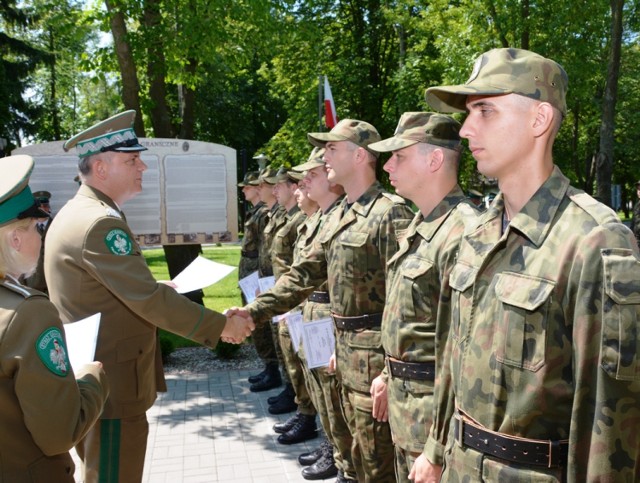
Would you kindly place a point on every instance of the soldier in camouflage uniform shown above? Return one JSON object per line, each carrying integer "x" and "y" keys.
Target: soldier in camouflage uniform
{"x": 635, "y": 221}
{"x": 250, "y": 240}
{"x": 415, "y": 323}
{"x": 296, "y": 395}
{"x": 351, "y": 253}
{"x": 262, "y": 336}
{"x": 544, "y": 360}
{"x": 334, "y": 454}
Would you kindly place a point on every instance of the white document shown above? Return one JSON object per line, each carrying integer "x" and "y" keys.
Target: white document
{"x": 294, "y": 323}
{"x": 82, "y": 337}
{"x": 250, "y": 286}
{"x": 201, "y": 273}
{"x": 319, "y": 342}
{"x": 266, "y": 283}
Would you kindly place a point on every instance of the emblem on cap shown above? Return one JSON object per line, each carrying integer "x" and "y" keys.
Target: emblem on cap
{"x": 118, "y": 242}
{"x": 52, "y": 351}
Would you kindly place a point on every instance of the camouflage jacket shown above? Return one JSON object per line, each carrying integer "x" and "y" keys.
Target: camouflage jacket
{"x": 635, "y": 221}
{"x": 544, "y": 335}
{"x": 251, "y": 240}
{"x": 284, "y": 241}
{"x": 269, "y": 229}
{"x": 416, "y": 317}
{"x": 350, "y": 253}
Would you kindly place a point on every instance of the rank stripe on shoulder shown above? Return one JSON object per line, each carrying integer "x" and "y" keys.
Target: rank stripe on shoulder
{"x": 18, "y": 288}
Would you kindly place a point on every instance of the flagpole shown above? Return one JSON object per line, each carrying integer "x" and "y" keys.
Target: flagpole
{"x": 320, "y": 101}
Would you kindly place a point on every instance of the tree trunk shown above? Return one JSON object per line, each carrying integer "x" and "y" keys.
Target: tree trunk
{"x": 156, "y": 72}
{"x": 605, "y": 157}
{"x": 130, "y": 84}
{"x": 55, "y": 117}
{"x": 188, "y": 105}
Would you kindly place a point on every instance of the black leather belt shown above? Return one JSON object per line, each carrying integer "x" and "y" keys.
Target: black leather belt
{"x": 320, "y": 297}
{"x": 249, "y": 253}
{"x": 367, "y": 321}
{"x": 421, "y": 371}
{"x": 532, "y": 452}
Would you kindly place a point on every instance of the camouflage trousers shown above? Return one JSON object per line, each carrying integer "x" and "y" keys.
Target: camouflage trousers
{"x": 359, "y": 360}
{"x": 294, "y": 370}
{"x": 404, "y": 462}
{"x": 263, "y": 341}
{"x": 275, "y": 329}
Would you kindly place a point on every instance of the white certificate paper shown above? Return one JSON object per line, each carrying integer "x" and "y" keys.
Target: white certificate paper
{"x": 294, "y": 323}
{"x": 266, "y": 283}
{"x": 201, "y": 273}
{"x": 82, "y": 337}
{"x": 250, "y": 286}
{"x": 319, "y": 342}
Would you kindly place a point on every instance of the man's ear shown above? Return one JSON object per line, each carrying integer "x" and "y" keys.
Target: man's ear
{"x": 436, "y": 159}
{"x": 543, "y": 120}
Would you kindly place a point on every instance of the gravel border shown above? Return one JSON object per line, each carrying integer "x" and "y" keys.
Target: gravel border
{"x": 201, "y": 359}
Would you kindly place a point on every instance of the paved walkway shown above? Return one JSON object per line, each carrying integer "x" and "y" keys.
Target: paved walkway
{"x": 208, "y": 427}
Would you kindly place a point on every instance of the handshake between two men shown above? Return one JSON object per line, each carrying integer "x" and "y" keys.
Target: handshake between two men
{"x": 239, "y": 325}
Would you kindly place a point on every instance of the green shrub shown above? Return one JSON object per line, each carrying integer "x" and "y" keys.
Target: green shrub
{"x": 225, "y": 350}
{"x": 167, "y": 346}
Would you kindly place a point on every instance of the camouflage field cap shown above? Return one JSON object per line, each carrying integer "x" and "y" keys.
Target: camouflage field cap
{"x": 359, "y": 132}
{"x": 267, "y": 175}
{"x": 506, "y": 71}
{"x": 16, "y": 200}
{"x": 283, "y": 174}
{"x": 248, "y": 178}
{"x": 422, "y": 127}
{"x": 315, "y": 160}
{"x": 113, "y": 134}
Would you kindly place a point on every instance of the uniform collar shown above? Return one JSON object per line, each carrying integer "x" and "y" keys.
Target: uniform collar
{"x": 363, "y": 205}
{"x": 533, "y": 220}
{"x": 429, "y": 225}
{"x": 91, "y": 192}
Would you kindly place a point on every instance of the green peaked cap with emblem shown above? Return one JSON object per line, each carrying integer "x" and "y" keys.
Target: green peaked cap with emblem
{"x": 113, "y": 134}
{"x": 506, "y": 71}
{"x": 16, "y": 200}
{"x": 422, "y": 127}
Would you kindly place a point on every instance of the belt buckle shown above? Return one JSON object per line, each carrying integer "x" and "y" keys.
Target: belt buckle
{"x": 460, "y": 424}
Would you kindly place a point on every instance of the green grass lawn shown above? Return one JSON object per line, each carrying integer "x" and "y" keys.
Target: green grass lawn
{"x": 219, "y": 296}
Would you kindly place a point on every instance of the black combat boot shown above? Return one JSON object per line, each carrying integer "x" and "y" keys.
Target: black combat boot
{"x": 307, "y": 459}
{"x": 287, "y": 425}
{"x": 323, "y": 468}
{"x": 270, "y": 380}
{"x": 286, "y": 403}
{"x": 304, "y": 429}
{"x": 257, "y": 377}
{"x": 274, "y": 399}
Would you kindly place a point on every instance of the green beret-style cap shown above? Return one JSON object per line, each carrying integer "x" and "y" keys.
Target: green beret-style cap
{"x": 506, "y": 71}
{"x": 422, "y": 127}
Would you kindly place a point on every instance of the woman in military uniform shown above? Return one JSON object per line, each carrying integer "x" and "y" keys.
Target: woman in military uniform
{"x": 44, "y": 409}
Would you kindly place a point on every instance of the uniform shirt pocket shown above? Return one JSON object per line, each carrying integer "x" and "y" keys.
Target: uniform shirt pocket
{"x": 520, "y": 340}
{"x": 354, "y": 254}
{"x": 461, "y": 280}
{"x": 413, "y": 287}
{"x": 620, "y": 334}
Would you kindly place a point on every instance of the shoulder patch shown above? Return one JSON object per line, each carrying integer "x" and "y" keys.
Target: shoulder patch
{"x": 118, "y": 242}
{"x": 52, "y": 351}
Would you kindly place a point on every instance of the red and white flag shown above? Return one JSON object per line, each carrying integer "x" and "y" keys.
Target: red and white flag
{"x": 330, "y": 117}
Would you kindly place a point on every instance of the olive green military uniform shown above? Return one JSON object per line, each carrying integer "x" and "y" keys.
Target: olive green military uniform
{"x": 44, "y": 409}
{"x": 415, "y": 324}
{"x": 93, "y": 264}
{"x": 351, "y": 254}
{"x": 544, "y": 343}
{"x": 282, "y": 258}
{"x": 324, "y": 388}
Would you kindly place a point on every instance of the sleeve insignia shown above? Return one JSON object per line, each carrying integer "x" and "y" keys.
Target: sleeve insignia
{"x": 52, "y": 351}
{"x": 118, "y": 242}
